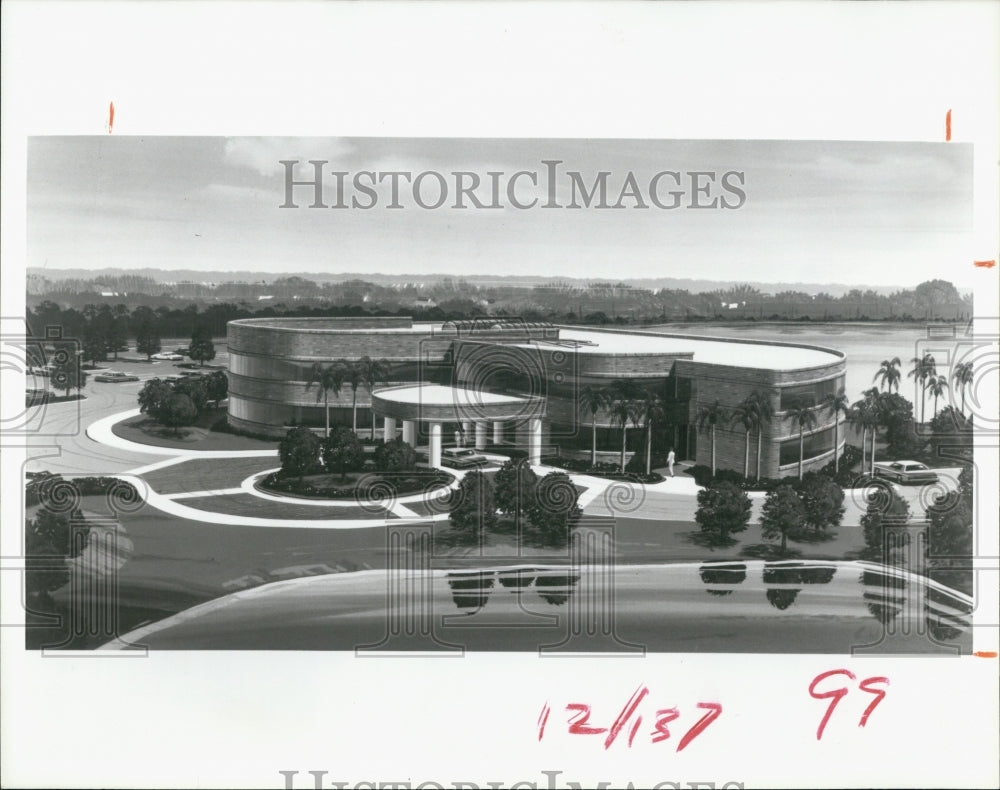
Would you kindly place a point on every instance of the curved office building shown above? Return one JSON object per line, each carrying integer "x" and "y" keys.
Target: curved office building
{"x": 507, "y": 382}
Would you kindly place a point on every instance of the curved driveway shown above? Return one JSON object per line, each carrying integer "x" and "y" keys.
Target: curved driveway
{"x": 96, "y": 450}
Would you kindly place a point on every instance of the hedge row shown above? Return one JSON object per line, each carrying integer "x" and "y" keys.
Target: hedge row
{"x": 607, "y": 470}
{"x": 377, "y": 486}
{"x": 38, "y": 488}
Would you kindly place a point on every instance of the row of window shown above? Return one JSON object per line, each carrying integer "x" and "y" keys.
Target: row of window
{"x": 814, "y": 445}
{"x": 809, "y": 395}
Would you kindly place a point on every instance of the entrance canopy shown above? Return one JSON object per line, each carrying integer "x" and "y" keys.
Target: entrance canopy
{"x": 435, "y": 403}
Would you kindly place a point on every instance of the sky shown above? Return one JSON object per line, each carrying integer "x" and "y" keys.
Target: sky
{"x": 824, "y": 212}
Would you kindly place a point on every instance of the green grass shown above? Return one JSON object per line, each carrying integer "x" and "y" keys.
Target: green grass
{"x": 145, "y": 430}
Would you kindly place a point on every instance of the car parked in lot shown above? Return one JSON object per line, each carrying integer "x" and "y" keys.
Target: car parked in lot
{"x": 461, "y": 458}
{"x": 906, "y": 472}
{"x": 115, "y": 377}
{"x": 167, "y": 356}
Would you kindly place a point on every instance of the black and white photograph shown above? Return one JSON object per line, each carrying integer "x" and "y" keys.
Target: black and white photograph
{"x": 395, "y": 429}
{"x": 374, "y": 402}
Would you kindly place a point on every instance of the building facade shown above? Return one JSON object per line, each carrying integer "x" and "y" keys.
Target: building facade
{"x": 508, "y": 382}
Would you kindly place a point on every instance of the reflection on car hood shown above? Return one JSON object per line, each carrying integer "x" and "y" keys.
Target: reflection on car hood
{"x": 752, "y": 606}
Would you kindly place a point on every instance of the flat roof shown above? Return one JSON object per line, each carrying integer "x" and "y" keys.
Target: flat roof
{"x": 712, "y": 351}
{"x": 733, "y": 352}
{"x": 438, "y": 395}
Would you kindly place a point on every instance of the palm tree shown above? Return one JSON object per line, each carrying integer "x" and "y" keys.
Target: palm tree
{"x": 857, "y": 419}
{"x": 864, "y": 415}
{"x": 623, "y": 411}
{"x": 937, "y": 386}
{"x": 650, "y": 409}
{"x": 838, "y": 404}
{"x": 330, "y": 379}
{"x": 353, "y": 375}
{"x": 923, "y": 368}
{"x": 743, "y": 415}
{"x": 763, "y": 413}
{"x": 805, "y": 418}
{"x": 888, "y": 374}
{"x": 873, "y": 414}
{"x": 593, "y": 399}
{"x": 962, "y": 376}
{"x": 709, "y": 417}
{"x": 373, "y": 373}
{"x": 624, "y": 393}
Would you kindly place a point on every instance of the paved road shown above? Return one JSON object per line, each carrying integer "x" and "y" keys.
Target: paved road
{"x": 75, "y": 453}
{"x": 70, "y": 451}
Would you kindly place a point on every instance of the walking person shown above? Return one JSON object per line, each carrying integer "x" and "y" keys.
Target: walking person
{"x": 670, "y": 461}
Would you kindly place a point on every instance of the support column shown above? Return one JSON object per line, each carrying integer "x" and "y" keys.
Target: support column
{"x": 389, "y": 429}
{"x": 434, "y": 457}
{"x": 535, "y": 441}
{"x": 498, "y": 432}
{"x": 410, "y": 432}
{"x": 466, "y": 432}
{"x": 480, "y": 435}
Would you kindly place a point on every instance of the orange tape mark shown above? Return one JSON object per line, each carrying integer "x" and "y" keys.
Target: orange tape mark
{"x": 984, "y": 264}
{"x": 947, "y": 125}
{"x": 985, "y": 654}
{"x": 111, "y": 116}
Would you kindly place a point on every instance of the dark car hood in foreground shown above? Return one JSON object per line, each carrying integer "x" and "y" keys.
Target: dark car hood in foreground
{"x": 753, "y": 606}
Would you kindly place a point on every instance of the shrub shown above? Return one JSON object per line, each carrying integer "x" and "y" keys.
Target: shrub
{"x": 222, "y": 426}
{"x": 39, "y": 489}
{"x": 395, "y": 456}
{"x": 885, "y": 509}
{"x": 553, "y": 507}
{"x": 637, "y": 463}
{"x": 823, "y": 501}
{"x": 178, "y": 411}
{"x": 703, "y": 477}
{"x": 473, "y": 508}
{"x": 701, "y": 473}
{"x": 299, "y": 452}
{"x": 782, "y": 515}
{"x": 513, "y": 487}
{"x": 343, "y": 451}
{"x": 607, "y": 470}
{"x": 723, "y": 508}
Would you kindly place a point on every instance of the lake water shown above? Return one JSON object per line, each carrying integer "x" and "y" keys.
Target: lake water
{"x": 865, "y": 345}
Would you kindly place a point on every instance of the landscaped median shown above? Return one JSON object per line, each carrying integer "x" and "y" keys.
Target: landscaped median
{"x": 358, "y": 486}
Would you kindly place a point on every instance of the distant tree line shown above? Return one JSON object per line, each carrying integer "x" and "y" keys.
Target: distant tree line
{"x": 174, "y": 309}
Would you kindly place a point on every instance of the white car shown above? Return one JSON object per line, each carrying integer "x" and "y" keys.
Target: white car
{"x": 906, "y": 472}
{"x": 462, "y": 458}
{"x": 167, "y": 356}
{"x": 115, "y": 377}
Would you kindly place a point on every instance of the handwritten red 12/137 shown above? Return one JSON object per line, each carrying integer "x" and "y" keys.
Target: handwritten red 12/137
{"x": 578, "y": 721}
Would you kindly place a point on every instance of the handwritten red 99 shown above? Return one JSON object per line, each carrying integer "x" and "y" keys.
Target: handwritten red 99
{"x": 837, "y": 694}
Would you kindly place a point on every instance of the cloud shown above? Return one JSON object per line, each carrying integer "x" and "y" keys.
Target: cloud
{"x": 262, "y": 154}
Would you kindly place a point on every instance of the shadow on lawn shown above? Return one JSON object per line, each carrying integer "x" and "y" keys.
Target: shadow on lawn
{"x": 709, "y": 542}
{"x": 503, "y": 534}
{"x": 813, "y": 537}
{"x": 767, "y": 551}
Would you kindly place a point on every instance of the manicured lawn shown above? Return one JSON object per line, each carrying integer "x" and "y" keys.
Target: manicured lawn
{"x": 255, "y": 507}
{"x": 206, "y": 474}
{"x": 641, "y": 540}
{"x": 173, "y": 563}
{"x": 145, "y": 430}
